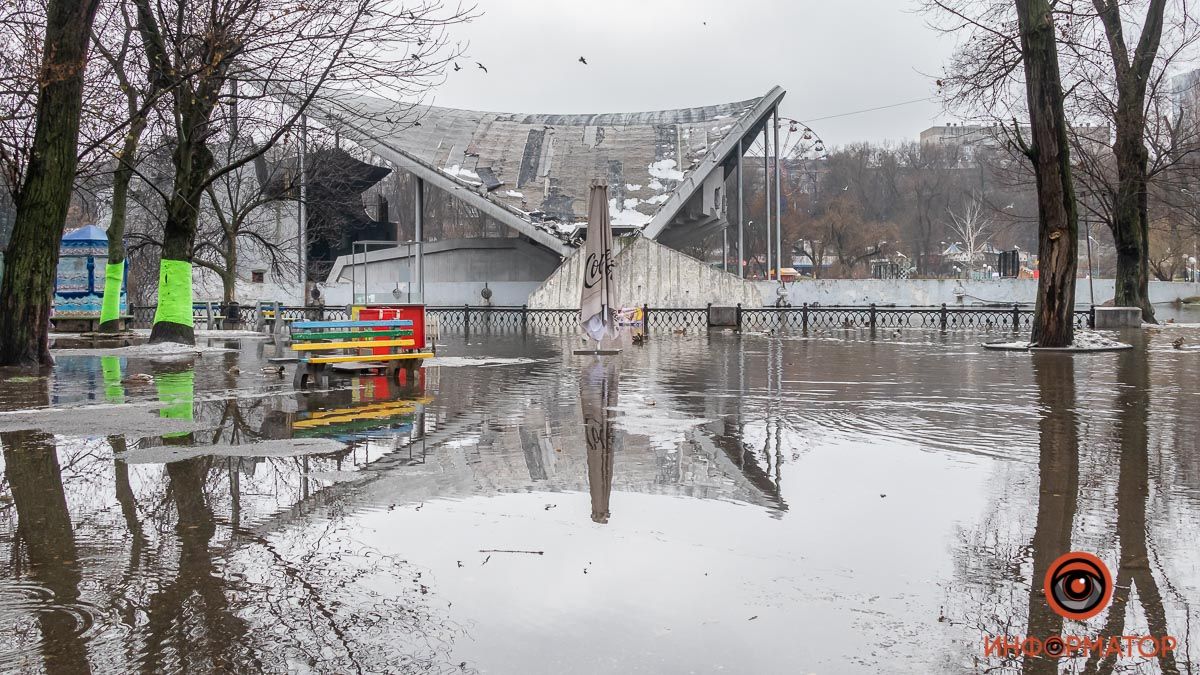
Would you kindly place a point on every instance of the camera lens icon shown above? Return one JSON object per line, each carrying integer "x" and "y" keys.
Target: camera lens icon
{"x": 1078, "y": 586}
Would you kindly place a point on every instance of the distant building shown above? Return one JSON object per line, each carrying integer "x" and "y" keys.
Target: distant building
{"x": 1185, "y": 93}
{"x": 996, "y": 135}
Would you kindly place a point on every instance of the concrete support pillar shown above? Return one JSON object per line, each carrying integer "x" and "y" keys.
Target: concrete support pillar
{"x": 418, "y": 267}
{"x": 778, "y": 204}
{"x": 741, "y": 216}
{"x": 767, "y": 190}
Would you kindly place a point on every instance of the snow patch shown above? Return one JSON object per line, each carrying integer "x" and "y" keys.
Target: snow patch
{"x": 462, "y": 173}
{"x": 144, "y": 350}
{"x": 664, "y": 169}
{"x": 514, "y": 193}
{"x": 658, "y": 199}
{"x": 286, "y": 447}
{"x": 632, "y": 203}
{"x": 627, "y": 217}
{"x": 632, "y": 187}
{"x": 656, "y": 186}
{"x": 482, "y": 361}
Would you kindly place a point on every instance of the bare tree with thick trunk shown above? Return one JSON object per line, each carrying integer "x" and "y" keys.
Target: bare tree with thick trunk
{"x": 286, "y": 56}
{"x": 1048, "y": 149}
{"x": 27, "y": 290}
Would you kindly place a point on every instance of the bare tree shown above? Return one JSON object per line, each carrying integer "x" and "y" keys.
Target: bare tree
{"x": 286, "y": 56}
{"x": 973, "y": 226}
{"x": 1107, "y": 79}
{"x": 1049, "y": 151}
{"x": 28, "y": 284}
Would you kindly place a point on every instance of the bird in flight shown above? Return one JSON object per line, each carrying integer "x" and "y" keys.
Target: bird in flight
{"x": 583, "y": 60}
{"x": 481, "y": 66}
{"x": 457, "y": 67}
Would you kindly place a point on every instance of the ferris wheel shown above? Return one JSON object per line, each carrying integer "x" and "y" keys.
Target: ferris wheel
{"x": 797, "y": 141}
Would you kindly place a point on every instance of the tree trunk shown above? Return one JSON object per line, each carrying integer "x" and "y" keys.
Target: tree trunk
{"x": 27, "y": 289}
{"x": 193, "y": 162}
{"x": 1058, "y": 226}
{"x": 1131, "y": 212}
{"x": 109, "y": 318}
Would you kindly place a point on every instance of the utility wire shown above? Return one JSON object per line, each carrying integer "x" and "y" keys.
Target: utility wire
{"x": 867, "y": 110}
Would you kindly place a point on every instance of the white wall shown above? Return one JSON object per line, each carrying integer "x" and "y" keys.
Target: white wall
{"x": 649, "y": 273}
{"x": 933, "y": 292}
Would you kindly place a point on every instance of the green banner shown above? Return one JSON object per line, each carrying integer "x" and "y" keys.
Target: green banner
{"x": 176, "y": 392}
{"x": 174, "y": 292}
{"x": 111, "y": 309}
{"x": 111, "y": 367}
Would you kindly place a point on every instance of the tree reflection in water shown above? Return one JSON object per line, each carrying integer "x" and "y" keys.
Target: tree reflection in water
{"x": 44, "y": 525}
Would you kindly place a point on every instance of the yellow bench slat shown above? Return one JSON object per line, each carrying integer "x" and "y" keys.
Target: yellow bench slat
{"x": 352, "y": 416}
{"x": 369, "y": 357}
{"x": 391, "y": 407}
{"x": 352, "y": 344}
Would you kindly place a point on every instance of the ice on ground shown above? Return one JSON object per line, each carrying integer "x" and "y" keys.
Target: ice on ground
{"x": 284, "y": 447}
{"x": 480, "y": 361}
{"x": 162, "y": 349}
{"x": 664, "y": 169}
{"x": 95, "y": 421}
{"x": 1084, "y": 340}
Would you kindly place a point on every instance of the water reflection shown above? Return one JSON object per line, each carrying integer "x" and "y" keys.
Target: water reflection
{"x": 1058, "y": 489}
{"x": 758, "y": 481}
{"x": 45, "y": 530}
{"x": 597, "y": 399}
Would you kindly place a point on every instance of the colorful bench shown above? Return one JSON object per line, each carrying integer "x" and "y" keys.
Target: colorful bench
{"x": 323, "y": 346}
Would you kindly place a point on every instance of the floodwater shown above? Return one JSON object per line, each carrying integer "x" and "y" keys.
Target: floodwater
{"x": 836, "y": 503}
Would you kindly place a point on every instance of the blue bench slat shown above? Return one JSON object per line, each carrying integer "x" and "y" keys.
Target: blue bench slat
{"x": 399, "y": 323}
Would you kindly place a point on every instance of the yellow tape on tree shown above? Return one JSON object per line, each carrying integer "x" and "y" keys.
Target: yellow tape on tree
{"x": 113, "y": 275}
{"x": 176, "y": 392}
{"x": 111, "y": 367}
{"x": 174, "y": 292}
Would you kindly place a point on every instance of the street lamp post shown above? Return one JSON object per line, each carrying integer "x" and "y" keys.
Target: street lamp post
{"x": 1087, "y": 228}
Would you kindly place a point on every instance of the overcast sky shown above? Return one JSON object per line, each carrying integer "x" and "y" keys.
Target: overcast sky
{"x": 831, "y": 56}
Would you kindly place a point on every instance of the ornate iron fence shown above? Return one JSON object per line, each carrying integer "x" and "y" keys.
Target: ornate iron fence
{"x": 468, "y": 318}
{"x": 872, "y": 317}
{"x": 503, "y": 319}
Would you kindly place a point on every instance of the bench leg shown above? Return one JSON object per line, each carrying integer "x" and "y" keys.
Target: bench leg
{"x": 301, "y": 379}
{"x": 311, "y": 375}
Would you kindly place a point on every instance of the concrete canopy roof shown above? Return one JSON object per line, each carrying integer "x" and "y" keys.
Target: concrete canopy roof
{"x": 532, "y": 171}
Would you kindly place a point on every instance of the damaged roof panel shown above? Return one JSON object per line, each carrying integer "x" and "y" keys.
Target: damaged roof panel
{"x": 551, "y": 160}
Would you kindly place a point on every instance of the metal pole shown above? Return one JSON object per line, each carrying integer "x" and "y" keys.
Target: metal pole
{"x": 741, "y": 215}
{"x": 1087, "y": 228}
{"x": 725, "y": 249}
{"x": 767, "y": 190}
{"x": 419, "y": 237}
{"x": 778, "y": 206}
{"x": 302, "y": 226}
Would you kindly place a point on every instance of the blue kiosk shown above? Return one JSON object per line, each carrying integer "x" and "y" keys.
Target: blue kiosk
{"x": 79, "y": 285}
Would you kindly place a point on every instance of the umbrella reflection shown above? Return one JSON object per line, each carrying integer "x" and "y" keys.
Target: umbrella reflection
{"x": 597, "y": 397}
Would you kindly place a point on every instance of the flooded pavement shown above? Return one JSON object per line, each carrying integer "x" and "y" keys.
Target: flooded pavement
{"x": 834, "y": 503}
